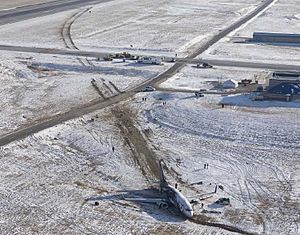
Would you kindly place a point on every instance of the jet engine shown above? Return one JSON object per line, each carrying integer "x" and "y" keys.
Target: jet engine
{"x": 163, "y": 205}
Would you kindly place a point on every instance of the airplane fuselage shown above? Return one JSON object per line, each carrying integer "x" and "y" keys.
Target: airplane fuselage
{"x": 178, "y": 200}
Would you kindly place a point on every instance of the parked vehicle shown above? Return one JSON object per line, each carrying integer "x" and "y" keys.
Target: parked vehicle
{"x": 122, "y": 55}
{"x": 204, "y": 65}
{"x": 199, "y": 94}
{"x": 148, "y": 88}
{"x": 107, "y": 58}
{"x": 150, "y": 60}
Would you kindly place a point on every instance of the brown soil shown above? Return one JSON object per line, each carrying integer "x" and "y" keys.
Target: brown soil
{"x": 236, "y": 216}
{"x": 142, "y": 153}
{"x": 86, "y": 185}
{"x": 166, "y": 230}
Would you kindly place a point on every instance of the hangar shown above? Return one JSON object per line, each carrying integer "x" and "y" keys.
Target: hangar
{"x": 284, "y": 76}
{"x": 269, "y": 37}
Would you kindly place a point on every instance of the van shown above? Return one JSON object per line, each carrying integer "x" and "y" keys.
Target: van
{"x": 148, "y": 88}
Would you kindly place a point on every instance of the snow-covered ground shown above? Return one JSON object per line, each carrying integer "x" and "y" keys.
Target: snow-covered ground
{"x": 252, "y": 149}
{"x": 45, "y": 190}
{"x": 154, "y": 26}
{"x": 34, "y": 87}
{"x": 283, "y": 16}
{"x": 51, "y": 181}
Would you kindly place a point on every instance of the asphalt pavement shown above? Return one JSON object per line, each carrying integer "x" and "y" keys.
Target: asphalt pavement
{"x": 32, "y": 11}
{"x": 180, "y": 61}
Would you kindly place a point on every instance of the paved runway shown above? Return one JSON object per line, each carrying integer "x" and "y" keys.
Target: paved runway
{"x": 33, "y": 11}
{"x": 223, "y": 63}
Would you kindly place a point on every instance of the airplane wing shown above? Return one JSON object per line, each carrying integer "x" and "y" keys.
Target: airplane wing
{"x": 147, "y": 200}
{"x": 161, "y": 202}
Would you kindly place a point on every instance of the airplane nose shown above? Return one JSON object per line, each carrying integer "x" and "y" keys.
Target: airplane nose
{"x": 189, "y": 214}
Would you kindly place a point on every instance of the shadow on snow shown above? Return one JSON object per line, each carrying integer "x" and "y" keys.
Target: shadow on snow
{"x": 171, "y": 214}
{"x": 95, "y": 69}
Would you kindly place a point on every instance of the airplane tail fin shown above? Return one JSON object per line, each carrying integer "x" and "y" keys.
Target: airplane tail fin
{"x": 162, "y": 176}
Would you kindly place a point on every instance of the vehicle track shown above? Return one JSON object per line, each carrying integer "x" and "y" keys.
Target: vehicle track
{"x": 262, "y": 191}
{"x": 67, "y": 37}
{"x": 69, "y": 43}
{"x": 99, "y": 91}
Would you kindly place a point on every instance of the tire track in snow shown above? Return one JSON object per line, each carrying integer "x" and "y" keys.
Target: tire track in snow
{"x": 69, "y": 43}
{"x": 66, "y": 29}
{"x": 67, "y": 37}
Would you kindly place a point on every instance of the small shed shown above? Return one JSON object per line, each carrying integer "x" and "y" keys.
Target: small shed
{"x": 228, "y": 84}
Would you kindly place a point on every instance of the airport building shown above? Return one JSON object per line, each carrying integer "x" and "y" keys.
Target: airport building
{"x": 276, "y": 37}
{"x": 284, "y": 86}
{"x": 283, "y": 76}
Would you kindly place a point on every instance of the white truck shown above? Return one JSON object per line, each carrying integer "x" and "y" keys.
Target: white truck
{"x": 150, "y": 60}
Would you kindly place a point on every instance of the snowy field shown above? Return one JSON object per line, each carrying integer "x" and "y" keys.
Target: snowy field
{"x": 56, "y": 171}
{"x": 282, "y": 17}
{"x": 51, "y": 180}
{"x": 34, "y": 86}
{"x": 156, "y": 27}
{"x": 252, "y": 149}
